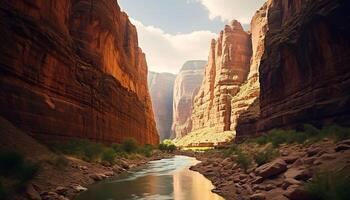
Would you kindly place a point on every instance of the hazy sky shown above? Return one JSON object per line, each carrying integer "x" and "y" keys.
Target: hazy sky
{"x": 173, "y": 31}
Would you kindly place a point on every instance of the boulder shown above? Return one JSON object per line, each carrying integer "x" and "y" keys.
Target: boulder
{"x": 258, "y": 196}
{"x": 271, "y": 169}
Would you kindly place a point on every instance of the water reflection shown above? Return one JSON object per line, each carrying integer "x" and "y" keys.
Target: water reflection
{"x": 159, "y": 180}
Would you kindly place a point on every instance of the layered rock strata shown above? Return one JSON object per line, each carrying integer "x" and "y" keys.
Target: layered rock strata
{"x": 245, "y": 104}
{"x": 73, "y": 69}
{"x": 227, "y": 69}
{"x": 304, "y": 73}
{"x": 186, "y": 86}
{"x": 161, "y": 89}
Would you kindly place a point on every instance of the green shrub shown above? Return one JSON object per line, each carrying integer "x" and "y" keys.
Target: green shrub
{"x": 243, "y": 160}
{"x": 117, "y": 148}
{"x": 329, "y": 185}
{"x": 172, "y": 148}
{"x": 59, "y": 162}
{"x": 109, "y": 155}
{"x": 129, "y": 145}
{"x": 146, "y": 150}
{"x": 310, "y": 130}
{"x": 265, "y": 156}
{"x": 337, "y": 132}
{"x": 167, "y": 145}
{"x": 231, "y": 150}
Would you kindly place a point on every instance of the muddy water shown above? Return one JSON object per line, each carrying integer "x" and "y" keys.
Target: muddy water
{"x": 159, "y": 180}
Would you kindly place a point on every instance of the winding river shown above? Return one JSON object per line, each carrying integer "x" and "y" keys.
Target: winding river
{"x": 164, "y": 179}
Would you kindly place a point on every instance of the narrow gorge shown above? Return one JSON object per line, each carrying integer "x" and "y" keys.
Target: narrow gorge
{"x": 236, "y": 100}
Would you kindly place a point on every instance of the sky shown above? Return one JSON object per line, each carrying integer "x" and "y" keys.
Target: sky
{"x": 171, "y": 32}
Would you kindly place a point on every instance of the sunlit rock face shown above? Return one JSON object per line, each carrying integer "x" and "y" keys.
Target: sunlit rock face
{"x": 73, "y": 68}
{"x": 161, "y": 89}
{"x": 227, "y": 69}
{"x": 186, "y": 87}
{"x": 245, "y": 104}
{"x": 304, "y": 73}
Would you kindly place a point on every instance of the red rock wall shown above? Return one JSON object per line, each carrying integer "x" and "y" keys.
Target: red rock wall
{"x": 304, "y": 73}
{"x": 245, "y": 104}
{"x": 186, "y": 86}
{"x": 227, "y": 69}
{"x": 73, "y": 68}
{"x": 161, "y": 89}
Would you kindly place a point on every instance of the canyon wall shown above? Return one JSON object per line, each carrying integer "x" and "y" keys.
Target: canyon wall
{"x": 228, "y": 67}
{"x": 304, "y": 69}
{"x": 186, "y": 86}
{"x": 161, "y": 89}
{"x": 245, "y": 104}
{"x": 73, "y": 69}
{"x": 304, "y": 73}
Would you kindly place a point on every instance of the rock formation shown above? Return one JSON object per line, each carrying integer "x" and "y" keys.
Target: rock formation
{"x": 73, "y": 68}
{"x": 227, "y": 69}
{"x": 304, "y": 73}
{"x": 245, "y": 104}
{"x": 161, "y": 89}
{"x": 186, "y": 86}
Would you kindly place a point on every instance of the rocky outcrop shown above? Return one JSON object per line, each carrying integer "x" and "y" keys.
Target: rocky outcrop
{"x": 161, "y": 89}
{"x": 227, "y": 69}
{"x": 73, "y": 68}
{"x": 186, "y": 86}
{"x": 245, "y": 104}
{"x": 304, "y": 73}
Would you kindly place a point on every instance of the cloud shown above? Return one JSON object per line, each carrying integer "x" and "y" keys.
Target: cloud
{"x": 226, "y": 10}
{"x": 167, "y": 52}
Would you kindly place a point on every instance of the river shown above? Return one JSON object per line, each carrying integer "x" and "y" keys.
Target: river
{"x": 164, "y": 179}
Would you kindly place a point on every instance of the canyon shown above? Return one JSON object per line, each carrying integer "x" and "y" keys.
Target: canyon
{"x": 248, "y": 88}
{"x": 186, "y": 86}
{"x": 161, "y": 90}
{"x": 73, "y": 69}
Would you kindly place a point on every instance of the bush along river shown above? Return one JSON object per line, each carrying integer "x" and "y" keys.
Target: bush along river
{"x": 164, "y": 179}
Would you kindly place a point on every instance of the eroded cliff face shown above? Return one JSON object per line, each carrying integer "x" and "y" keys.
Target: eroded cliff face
{"x": 73, "y": 68}
{"x": 186, "y": 86}
{"x": 245, "y": 104}
{"x": 161, "y": 89}
{"x": 304, "y": 73}
{"x": 227, "y": 69}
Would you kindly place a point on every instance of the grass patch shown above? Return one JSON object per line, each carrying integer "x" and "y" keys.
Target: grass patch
{"x": 97, "y": 152}
{"x": 205, "y": 135}
{"x": 265, "y": 156}
{"x": 59, "y": 162}
{"x": 129, "y": 145}
{"x": 167, "y": 145}
{"x": 310, "y": 133}
{"x": 329, "y": 185}
{"x": 243, "y": 160}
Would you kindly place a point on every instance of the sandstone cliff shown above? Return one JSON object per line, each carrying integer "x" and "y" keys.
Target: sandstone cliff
{"x": 304, "y": 72}
{"x": 245, "y": 104}
{"x": 73, "y": 68}
{"x": 186, "y": 86}
{"x": 161, "y": 89}
{"x": 227, "y": 69}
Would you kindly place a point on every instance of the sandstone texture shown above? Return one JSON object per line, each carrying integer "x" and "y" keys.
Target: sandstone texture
{"x": 245, "y": 104}
{"x": 161, "y": 89}
{"x": 73, "y": 68}
{"x": 186, "y": 86}
{"x": 228, "y": 68}
{"x": 304, "y": 73}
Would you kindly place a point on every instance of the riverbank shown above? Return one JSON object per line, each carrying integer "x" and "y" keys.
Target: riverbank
{"x": 57, "y": 183}
{"x": 282, "y": 178}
